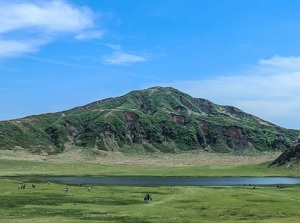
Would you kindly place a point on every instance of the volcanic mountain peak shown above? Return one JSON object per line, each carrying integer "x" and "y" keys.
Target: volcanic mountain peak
{"x": 153, "y": 119}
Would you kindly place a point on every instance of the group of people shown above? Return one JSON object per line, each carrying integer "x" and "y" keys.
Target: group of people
{"x": 66, "y": 189}
{"x": 148, "y": 197}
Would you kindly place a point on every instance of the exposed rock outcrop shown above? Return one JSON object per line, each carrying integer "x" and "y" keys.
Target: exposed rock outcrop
{"x": 289, "y": 156}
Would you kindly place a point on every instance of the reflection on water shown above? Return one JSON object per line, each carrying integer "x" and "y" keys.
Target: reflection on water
{"x": 178, "y": 181}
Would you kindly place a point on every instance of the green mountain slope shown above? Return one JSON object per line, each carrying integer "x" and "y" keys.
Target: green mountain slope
{"x": 157, "y": 118}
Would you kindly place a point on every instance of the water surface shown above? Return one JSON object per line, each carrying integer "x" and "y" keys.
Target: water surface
{"x": 178, "y": 181}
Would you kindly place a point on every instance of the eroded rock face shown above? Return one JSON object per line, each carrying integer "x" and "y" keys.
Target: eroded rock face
{"x": 72, "y": 131}
{"x": 234, "y": 112}
{"x": 204, "y": 105}
{"x": 235, "y": 138}
{"x": 234, "y": 132}
{"x": 179, "y": 119}
{"x": 179, "y": 109}
{"x": 288, "y": 155}
{"x": 185, "y": 102}
{"x": 131, "y": 117}
{"x": 204, "y": 127}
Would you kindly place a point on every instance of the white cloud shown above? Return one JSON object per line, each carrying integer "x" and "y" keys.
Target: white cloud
{"x": 52, "y": 16}
{"x": 272, "y": 94}
{"x": 27, "y": 25}
{"x": 93, "y": 34}
{"x": 120, "y": 58}
{"x": 11, "y": 48}
{"x": 278, "y": 62}
{"x": 114, "y": 47}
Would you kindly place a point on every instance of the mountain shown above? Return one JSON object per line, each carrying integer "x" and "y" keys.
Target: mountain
{"x": 154, "y": 119}
{"x": 290, "y": 157}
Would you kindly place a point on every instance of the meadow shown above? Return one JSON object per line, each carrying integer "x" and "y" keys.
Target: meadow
{"x": 49, "y": 202}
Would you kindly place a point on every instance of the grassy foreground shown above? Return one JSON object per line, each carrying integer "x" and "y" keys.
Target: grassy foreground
{"x": 49, "y": 203}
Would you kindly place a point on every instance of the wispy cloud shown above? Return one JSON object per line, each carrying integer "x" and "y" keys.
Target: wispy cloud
{"x": 46, "y": 60}
{"x": 97, "y": 68}
{"x": 120, "y": 58}
{"x": 114, "y": 47}
{"x": 27, "y": 25}
{"x": 269, "y": 90}
{"x": 93, "y": 34}
{"x": 285, "y": 63}
{"x": 14, "y": 47}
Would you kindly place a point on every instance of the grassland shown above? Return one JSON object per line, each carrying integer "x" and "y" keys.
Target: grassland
{"x": 49, "y": 203}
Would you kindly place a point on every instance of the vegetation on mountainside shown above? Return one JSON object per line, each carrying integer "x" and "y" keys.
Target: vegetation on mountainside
{"x": 158, "y": 118}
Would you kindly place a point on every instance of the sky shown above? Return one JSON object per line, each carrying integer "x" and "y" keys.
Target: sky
{"x": 59, "y": 54}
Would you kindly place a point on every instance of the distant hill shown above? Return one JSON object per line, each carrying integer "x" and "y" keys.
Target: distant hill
{"x": 290, "y": 157}
{"x": 154, "y": 119}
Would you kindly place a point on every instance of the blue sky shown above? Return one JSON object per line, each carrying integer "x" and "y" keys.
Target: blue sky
{"x": 58, "y": 54}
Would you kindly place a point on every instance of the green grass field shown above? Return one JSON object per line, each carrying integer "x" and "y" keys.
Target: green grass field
{"x": 49, "y": 203}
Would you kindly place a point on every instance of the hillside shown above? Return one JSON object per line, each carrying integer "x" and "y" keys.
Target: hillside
{"x": 290, "y": 157}
{"x": 154, "y": 119}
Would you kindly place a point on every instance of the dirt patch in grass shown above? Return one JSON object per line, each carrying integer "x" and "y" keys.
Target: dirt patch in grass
{"x": 194, "y": 158}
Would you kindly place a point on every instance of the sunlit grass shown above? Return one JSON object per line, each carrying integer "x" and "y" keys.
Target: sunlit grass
{"x": 49, "y": 203}
{"x": 41, "y": 168}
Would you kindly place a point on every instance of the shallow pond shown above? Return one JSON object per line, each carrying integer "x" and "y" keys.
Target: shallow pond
{"x": 177, "y": 181}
